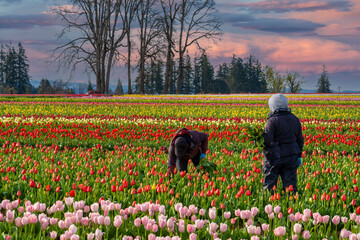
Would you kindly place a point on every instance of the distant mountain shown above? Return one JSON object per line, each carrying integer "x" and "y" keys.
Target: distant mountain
{"x": 76, "y": 86}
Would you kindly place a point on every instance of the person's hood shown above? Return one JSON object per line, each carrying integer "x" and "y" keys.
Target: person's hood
{"x": 278, "y": 102}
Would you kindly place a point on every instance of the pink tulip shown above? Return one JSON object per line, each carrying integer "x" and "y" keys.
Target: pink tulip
{"x": 297, "y": 228}
{"x": 213, "y": 226}
{"x": 227, "y": 215}
{"x": 251, "y": 229}
{"x": 53, "y": 221}
{"x": 190, "y": 228}
{"x": 265, "y": 227}
{"x": 151, "y": 237}
{"x": 32, "y": 219}
{"x": 199, "y": 224}
{"x": 69, "y": 201}
{"x": 170, "y": 223}
{"x": 202, "y": 212}
{"x": 212, "y": 213}
{"x": 73, "y": 229}
{"x": 237, "y": 212}
{"x": 24, "y": 221}
{"x": 181, "y": 226}
{"x": 277, "y": 209}
{"x": 280, "y": 215}
{"x": 90, "y": 236}
{"x": 62, "y": 224}
{"x": 98, "y": 234}
{"x": 352, "y": 236}
{"x": 53, "y": 235}
{"x": 268, "y": 209}
{"x": 86, "y": 209}
{"x": 295, "y": 237}
{"x": 233, "y": 221}
{"x": 223, "y": 227}
{"x": 10, "y": 215}
{"x": 307, "y": 213}
{"x": 345, "y": 233}
{"x": 306, "y": 234}
{"x": 85, "y": 221}
{"x": 154, "y": 228}
{"x": 44, "y": 223}
{"x": 75, "y": 237}
{"x": 68, "y": 234}
{"x": 254, "y": 211}
{"x": 192, "y": 236}
{"x": 137, "y": 222}
{"x": 257, "y": 231}
{"x": 20, "y": 209}
{"x": 94, "y": 207}
{"x": 326, "y": 219}
{"x": 18, "y": 222}
{"x": 336, "y": 219}
{"x": 298, "y": 216}
{"x": 254, "y": 238}
{"x": 344, "y": 220}
{"x": 280, "y": 231}
{"x": 292, "y": 218}
{"x": 107, "y": 221}
{"x": 118, "y": 221}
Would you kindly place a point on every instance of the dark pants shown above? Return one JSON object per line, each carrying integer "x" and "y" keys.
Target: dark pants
{"x": 285, "y": 167}
{"x": 181, "y": 164}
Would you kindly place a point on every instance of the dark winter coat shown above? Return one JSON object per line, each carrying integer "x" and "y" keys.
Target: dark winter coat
{"x": 283, "y": 136}
{"x": 200, "y": 145}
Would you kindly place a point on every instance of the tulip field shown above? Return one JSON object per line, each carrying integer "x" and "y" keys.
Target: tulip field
{"x": 87, "y": 167}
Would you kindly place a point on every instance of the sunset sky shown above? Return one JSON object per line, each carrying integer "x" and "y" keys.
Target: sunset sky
{"x": 288, "y": 35}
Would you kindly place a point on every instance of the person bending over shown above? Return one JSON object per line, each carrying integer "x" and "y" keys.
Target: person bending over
{"x": 185, "y": 145}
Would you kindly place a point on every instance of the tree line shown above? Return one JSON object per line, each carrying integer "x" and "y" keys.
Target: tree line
{"x": 241, "y": 75}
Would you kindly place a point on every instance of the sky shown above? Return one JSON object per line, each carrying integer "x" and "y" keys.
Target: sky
{"x": 288, "y": 35}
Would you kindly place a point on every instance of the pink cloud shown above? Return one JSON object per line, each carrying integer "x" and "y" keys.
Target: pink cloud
{"x": 304, "y": 55}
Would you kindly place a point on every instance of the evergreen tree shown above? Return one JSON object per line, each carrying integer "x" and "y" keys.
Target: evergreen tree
{"x": 237, "y": 74}
{"x": 90, "y": 86}
{"x": 173, "y": 77}
{"x": 196, "y": 85}
{"x": 206, "y": 74}
{"x": 159, "y": 78}
{"x": 11, "y": 68}
{"x": 2, "y": 65}
{"x": 221, "y": 80}
{"x": 188, "y": 76}
{"x": 254, "y": 81}
{"x": 119, "y": 89}
{"x": 45, "y": 87}
{"x": 23, "y": 79}
{"x": 323, "y": 84}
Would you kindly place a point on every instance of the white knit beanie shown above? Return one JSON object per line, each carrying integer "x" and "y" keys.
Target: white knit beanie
{"x": 278, "y": 101}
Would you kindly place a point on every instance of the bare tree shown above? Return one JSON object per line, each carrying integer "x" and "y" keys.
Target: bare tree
{"x": 100, "y": 29}
{"x": 149, "y": 37}
{"x": 131, "y": 7}
{"x": 170, "y": 9}
{"x": 197, "y": 20}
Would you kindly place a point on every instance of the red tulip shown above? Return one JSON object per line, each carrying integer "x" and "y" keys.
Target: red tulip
{"x": 290, "y": 210}
{"x": 32, "y": 183}
{"x": 72, "y": 193}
